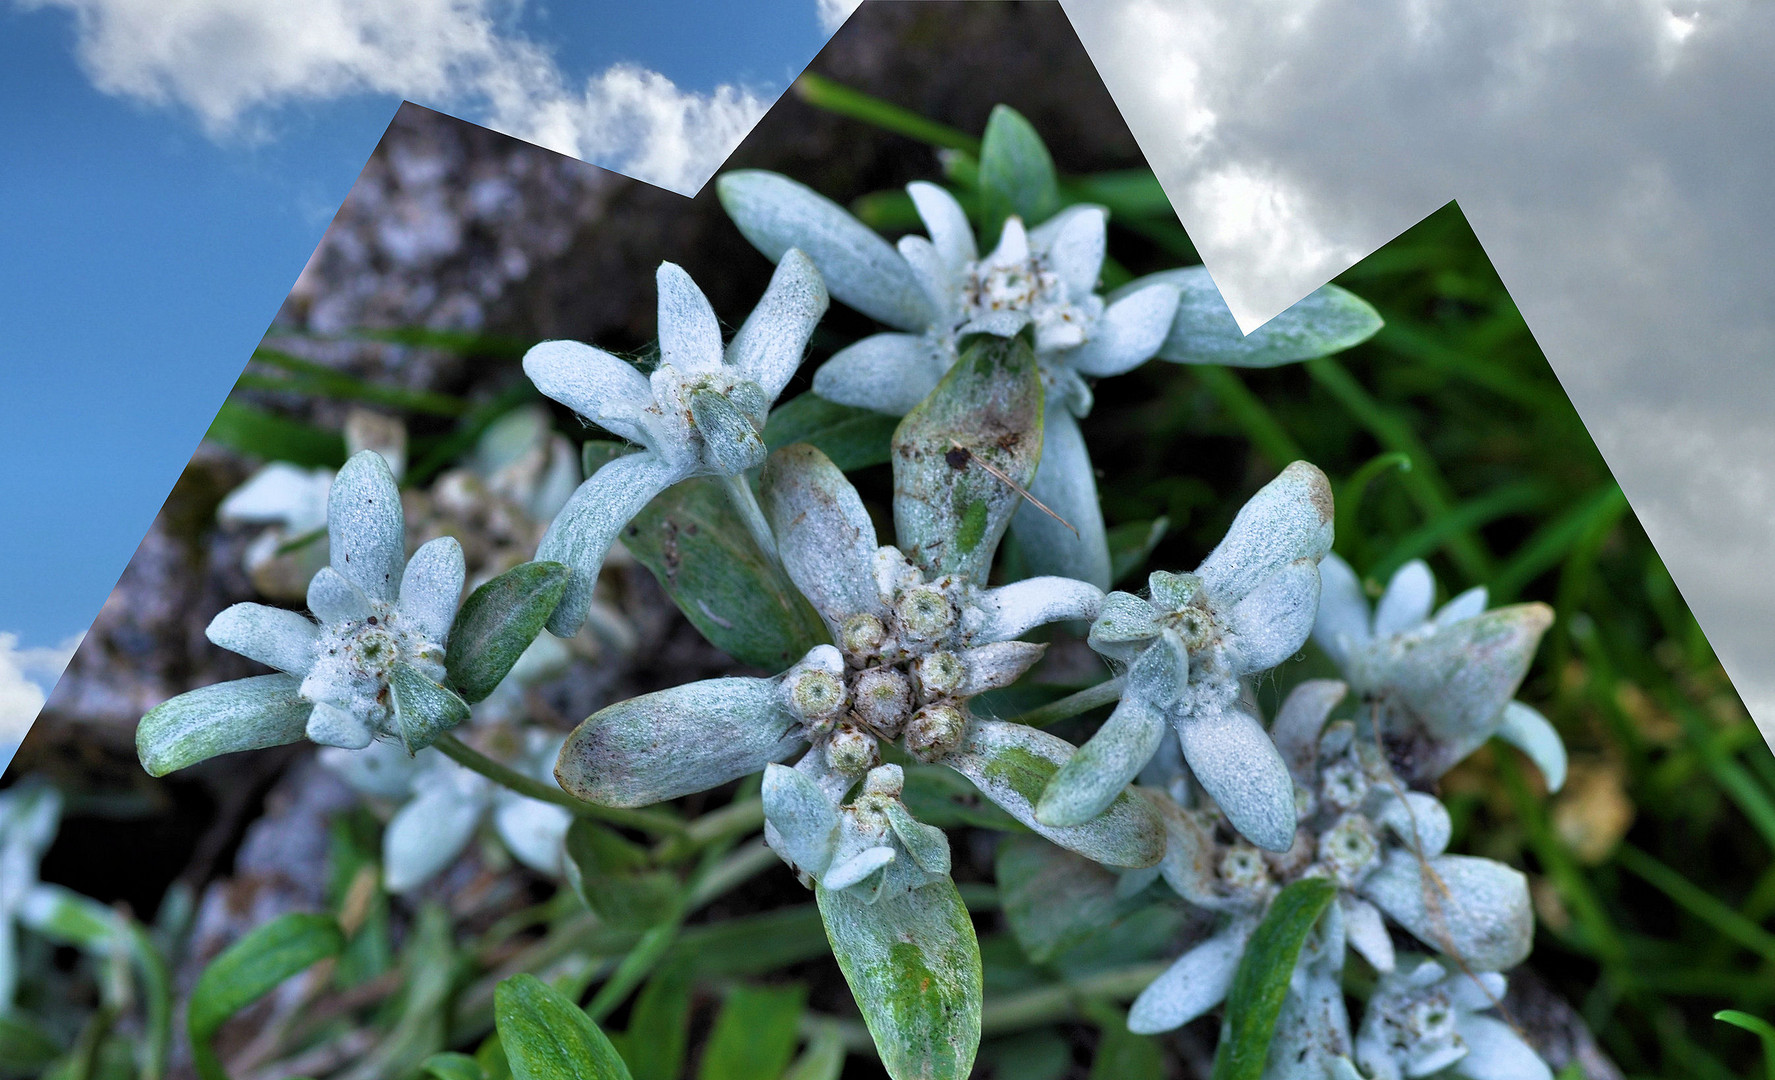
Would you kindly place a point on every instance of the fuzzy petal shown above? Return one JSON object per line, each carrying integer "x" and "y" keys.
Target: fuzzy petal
{"x": 998, "y": 665}
{"x": 946, "y": 223}
{"x": 581, "y": 535}
{"x": 1526, "y": 729}
{"x": 1367, "y": 932}
{"x": 428, "y": 833}
{"x": 1420, "y": 813}
{"x": 804, "y": 819}
{"x": 1235, "y": 761}
{"x": 1011, "y": 764}
{"x": 533, "y": 831}
{"x": 1465, "y": 606}
{"x": 1273, "y": 620}
{"x": 273, "y": 636}
{"x": 860, "y": 269}
{"x": 1289, "y": 518}
{"x": 1197, "y": 982}
{"x": 1342, "y": 624}
{"x": 1075, "y": 240}
{"x": 431, "y": 588}
{"x": 1127, "y": 335}
{"x": 889, "y": 373}
{"x": 1407, "y": 601}
{"x": 934, "y": 276}
{"x": 1494, "y": 1052}
{"x": 1475, "y": 909}
{"x": 604, "y": 389}
{"x": 366, "y": 529}
{"x": 689, "y": 333}
{"x": 1295, "y": 731}
{"x": 1328, "y": 320}
{"x": 245, "y": 714}
{"x": 769, "y": 345}
{"x": 330, "y": 725}
{"x": 1010, "y": 611}
{"x": 335, "y": 598}
{"x": 677, "y": 741}
{"x": 1066, "y": 484}
{"x": 824, "y": 534}
{"x": 1092, "y": 778}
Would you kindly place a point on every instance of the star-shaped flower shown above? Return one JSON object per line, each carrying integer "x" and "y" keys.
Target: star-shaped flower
{"x": 1248, "y": 607}
{"x": 1426, "y": 1020}
{"x": 700, "y": 413}
{"x": 369, "y": 664}
{"x": 1443, "y": 683}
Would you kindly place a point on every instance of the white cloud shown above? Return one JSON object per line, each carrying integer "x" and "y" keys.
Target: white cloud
{"x": 26, "y": 676}
{"x": 834, "y": 12}
{"x": 231, "y": 62}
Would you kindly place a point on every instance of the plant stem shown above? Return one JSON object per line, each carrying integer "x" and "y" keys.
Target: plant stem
{"x": 651, "y": 821}
{"x": 735, "y": 819}
{"x": 739, "y": 493}
{"x": 1073, "y": 704}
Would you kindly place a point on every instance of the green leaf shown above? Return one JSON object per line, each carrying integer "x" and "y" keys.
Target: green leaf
{"x": 1328, "y": 320}
{"x": 611, "y": 874}
{"x": 755, "y": 1034}
{"x": 853, "y": 438}
{"x": 659, "y": 1025}
{"x": 1132, "y": 543}
{"x": 547, "y": 1037}
{"x": 1261, "y": 983}
{"x": 245, "y": 714}
{"x": 703, "y": 555}
{"x": 25, "y": 1048}
{"x": 423, "y": 709}
{"x": 453, "y": 1066}
{"x": 248, "y": 970}
{"x": 257, "y": 433}
{"x": 954, "y": 453}
{"x": 1051, "y": 898}
{"x": 913, "y": 965}
{"x": 1016, "y": 173}
{"x": 938, "y": 795}
{"x": 71, "y": 919}
{"x": 1757, "y": 1026}
{"x": 498, "y": 622}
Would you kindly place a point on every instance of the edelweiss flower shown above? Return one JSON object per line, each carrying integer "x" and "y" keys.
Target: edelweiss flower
{"x": 1424, "y": 1020}
{"x": 443, "y": 804}
{"x": 1248, "y": 607}
{"x": 373, "y": 664}
{"x": 935, "y": 290}
{"x": 1382, "y": 844}
{"x": 913, "y": 649}
{"x": 700, "y": 413}
{"x": 1443, "y": 682}
{"x": 871, "y": 847}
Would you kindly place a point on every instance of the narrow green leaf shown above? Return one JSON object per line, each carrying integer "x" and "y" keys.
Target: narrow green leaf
{"x": 835, "y": 97}
{"x": 498, "y": 622}
{"x": 1051, "y": 898}
{"x": 261, "y": 434}
{"x": 913, "y": 965}
{"x": 1016, "y": 173}
{"x": 853, "y": 438}
{"x": 824, "y": 1057}
{"x": 659, "y": 1025}
{"x": 453, "y": 1066}
{"x": 1261, "y": 983}
{"x": 962, "y": 455}
{"x": 654, "y": 945}
{"x": 1121, "y": 1054}
{"x": 1757, "y": 1026}
{"x": 755, "y": 1034}
{"x": 702, "y": 554}
{"x": 423, "y": 709}
{"x": 245, "y": 714}
{"x": 319, "y": 380}
{"x": 547, "y": 1037}
{"x": 248, "y": 970}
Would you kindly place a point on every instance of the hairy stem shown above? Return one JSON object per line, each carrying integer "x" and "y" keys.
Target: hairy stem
{"x": 739, "y": 493}
{"x": 1072, "y": 705}
{"x": 651, "y": 821}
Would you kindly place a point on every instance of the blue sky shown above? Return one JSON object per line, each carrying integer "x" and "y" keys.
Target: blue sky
{"x": 160, "y": 189}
